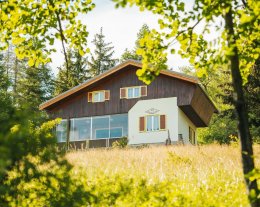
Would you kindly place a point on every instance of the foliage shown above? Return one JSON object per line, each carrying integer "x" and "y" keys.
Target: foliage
{"x": 121, "y": 143}
{"x": 33, "y": 172}
{"x": 131, "y": 54}
{"x": 102, "y": 57}
{"x": 76, "y": 74}
{"x": 221, "y": 129}
{"x": 34, "y": 26}
{"x": 237, "y": 46}
{"x": 178, "y": 25}
{"x": 6, "y": 108}
{"x": 252, "y": 93}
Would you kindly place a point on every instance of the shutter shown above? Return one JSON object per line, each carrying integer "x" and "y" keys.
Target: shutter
{"x": 122, "y": 93}
{"x": 143, "y": 90}
{"x": 141, "y": 124}
{"x": 90, "y": 96}
{"x": 162, "y": 122}
{"x": 107, "y": 95}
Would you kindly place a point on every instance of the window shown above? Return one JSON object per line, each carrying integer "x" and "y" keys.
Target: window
{"x": 100, "y": 127}
{"x": 116, "y": 132}
{"x": 61, "y": 131}
{"x": 80, "y": 129}
{"x": 152, "y": 123}
{"x": 133, "y": 92}
{"x": 97, "y": 127}
{"x": 98, "y": 96}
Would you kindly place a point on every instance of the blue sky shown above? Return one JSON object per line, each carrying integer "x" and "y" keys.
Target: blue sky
{"x": 120, "y": 26}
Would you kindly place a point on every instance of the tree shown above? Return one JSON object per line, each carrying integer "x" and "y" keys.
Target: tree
{"x": 33, "y": 26}
{"x": 252, "y": 94}
{"x": 6, "y": 109}
{"x": 102, "y": 58}
{"x": 237, "y": 46}
{"x": 77, "y": 73}
{"x": 35, "y": 87}
{"x": 131, "y": 54}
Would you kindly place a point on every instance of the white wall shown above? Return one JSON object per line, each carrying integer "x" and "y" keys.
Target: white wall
{"x": 184, "y": 124}
{"x": 165, "y": 106}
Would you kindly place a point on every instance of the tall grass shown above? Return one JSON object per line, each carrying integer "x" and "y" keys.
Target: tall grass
{"x": 163, "y": 176}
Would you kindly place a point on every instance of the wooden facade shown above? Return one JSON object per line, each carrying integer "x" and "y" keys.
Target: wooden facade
{"x": 190, "y": 96}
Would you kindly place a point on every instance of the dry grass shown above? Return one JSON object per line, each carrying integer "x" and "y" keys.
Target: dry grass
{"x": 213, "y": 171}
{"x": 160, "y": 162}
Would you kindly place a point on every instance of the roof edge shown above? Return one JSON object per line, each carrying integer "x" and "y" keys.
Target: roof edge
{"x": 88, "y": 82}
{"x": 75, "y": 89}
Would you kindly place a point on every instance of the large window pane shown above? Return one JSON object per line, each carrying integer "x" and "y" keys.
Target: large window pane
{"x": 116, "y": 132}
{"x": 119, "y": 121}
{"x": 80, "y": 129}
{"x": 61, "y": 131}
{"x": 99, "y": 124}
{"x": 102, "y": 133}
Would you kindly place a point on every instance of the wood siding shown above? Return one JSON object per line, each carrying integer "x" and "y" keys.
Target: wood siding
{"x": 77, "y": 104}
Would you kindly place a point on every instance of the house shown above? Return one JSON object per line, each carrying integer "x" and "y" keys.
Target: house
{"x": 116, "y": 104}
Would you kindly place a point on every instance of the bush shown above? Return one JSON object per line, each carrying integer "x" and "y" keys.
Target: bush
{"x": 220, "y": 130}
{"x": 121, "y": 143}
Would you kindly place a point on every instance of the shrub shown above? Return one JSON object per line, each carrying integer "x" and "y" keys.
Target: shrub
{"x": 121, "y": 143}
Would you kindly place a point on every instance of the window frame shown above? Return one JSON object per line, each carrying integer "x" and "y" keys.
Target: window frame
{"x": 133, "y": 92}
{"x": 159, "y": 123}
{"x": 91, "y": 96}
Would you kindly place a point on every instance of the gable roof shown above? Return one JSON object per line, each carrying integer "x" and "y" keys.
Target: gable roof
{"x": 109, "y": 72}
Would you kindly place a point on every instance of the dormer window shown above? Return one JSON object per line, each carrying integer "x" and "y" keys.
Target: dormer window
{"x": 133, "y": 92}
{"x": 98, "y": 96}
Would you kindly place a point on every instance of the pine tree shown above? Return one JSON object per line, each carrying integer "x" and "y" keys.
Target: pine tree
{"x": 131, "y": 54}
{"x": 77, "y": 73}
{"x": 35, "y": 87}
{"x": 102, "y": 58}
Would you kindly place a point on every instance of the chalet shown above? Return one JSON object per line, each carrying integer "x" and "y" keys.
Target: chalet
{"x": 117, "y": 104}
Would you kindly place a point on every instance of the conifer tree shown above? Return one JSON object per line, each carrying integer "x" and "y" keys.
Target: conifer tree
{"x": 35, "y": 86}
{"x": 131, "y": 54}
{"x": 102, "y": 57}
{"x": 77, "y": 73}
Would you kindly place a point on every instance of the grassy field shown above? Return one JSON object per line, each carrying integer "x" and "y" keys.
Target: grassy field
{"x": 163, "y": 176}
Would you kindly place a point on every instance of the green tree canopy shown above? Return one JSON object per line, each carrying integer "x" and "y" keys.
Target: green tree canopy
{"x": 33, "y": 26}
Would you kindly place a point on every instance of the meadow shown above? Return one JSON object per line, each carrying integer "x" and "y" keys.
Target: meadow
{"x": 209, "y": 175}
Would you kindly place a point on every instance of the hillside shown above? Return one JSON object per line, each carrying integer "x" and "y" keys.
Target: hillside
{"x": 163, "y": 176}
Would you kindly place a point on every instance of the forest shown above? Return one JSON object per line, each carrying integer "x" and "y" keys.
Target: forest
{"x": 34, "y": 172}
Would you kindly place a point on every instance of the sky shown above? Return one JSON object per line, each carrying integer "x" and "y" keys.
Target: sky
{"x": 120, "y": 27}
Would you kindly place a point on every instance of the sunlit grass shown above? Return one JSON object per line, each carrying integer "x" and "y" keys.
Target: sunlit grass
{"x": 205, "y": 175}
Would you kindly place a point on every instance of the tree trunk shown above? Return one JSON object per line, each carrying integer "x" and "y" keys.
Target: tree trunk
{"x": 240, "y": 105}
